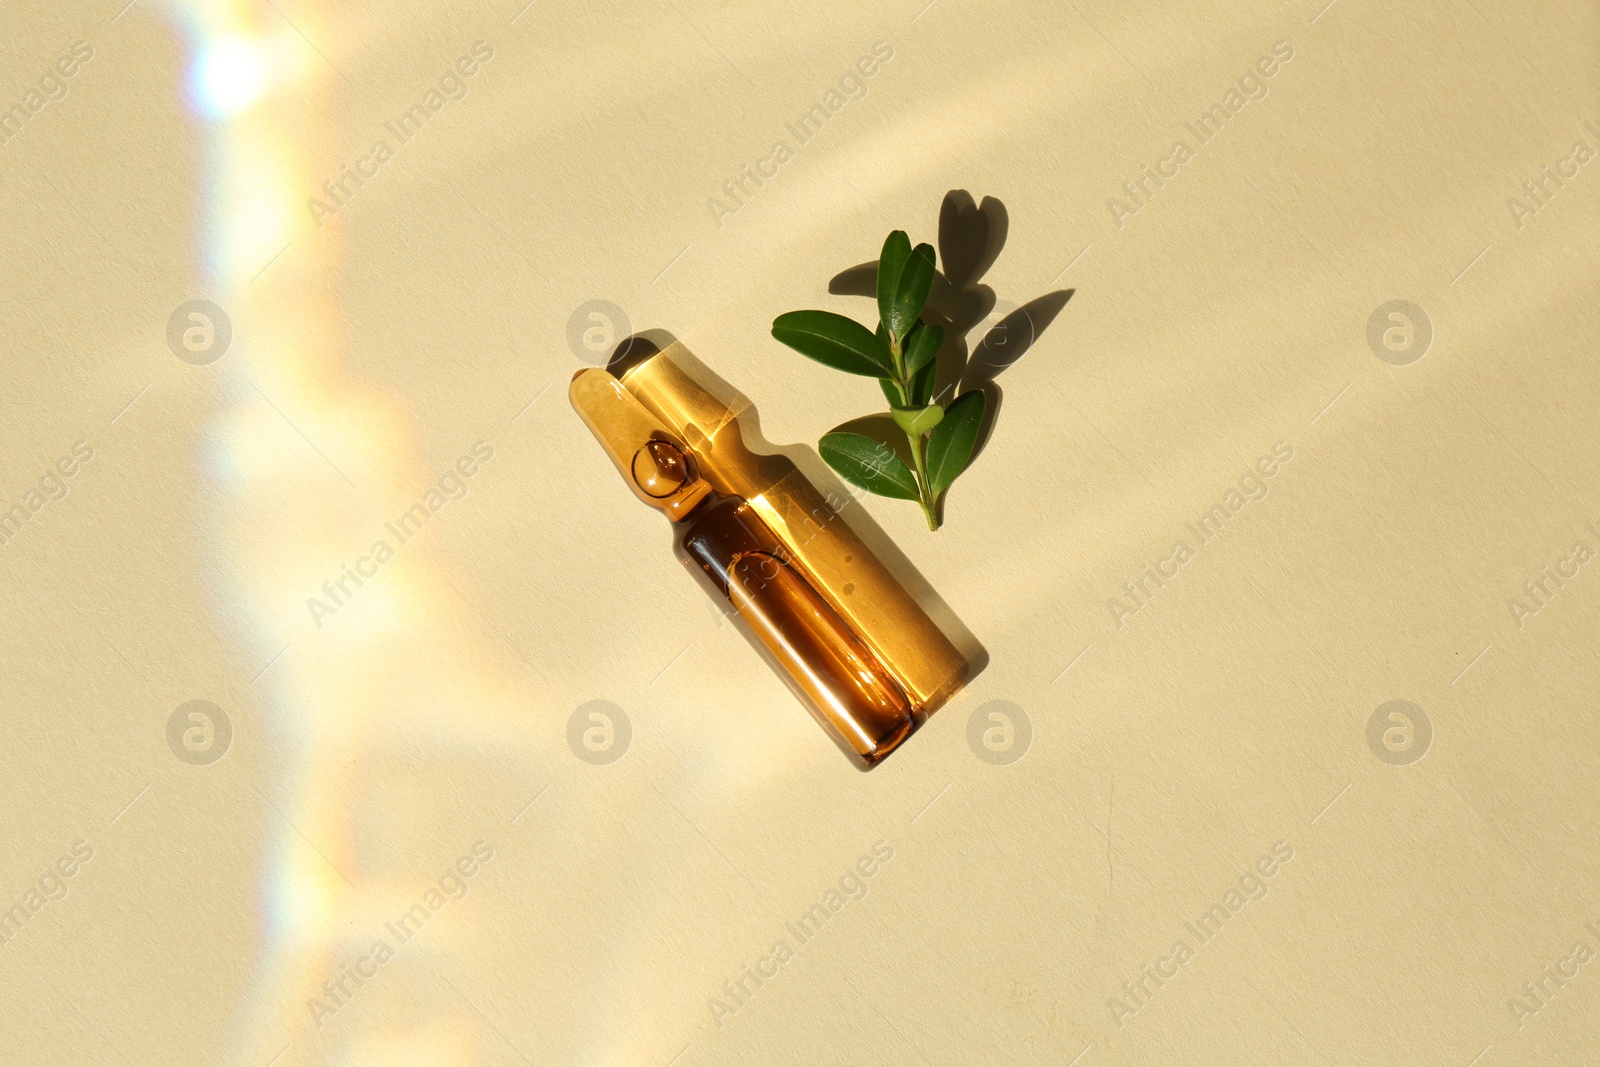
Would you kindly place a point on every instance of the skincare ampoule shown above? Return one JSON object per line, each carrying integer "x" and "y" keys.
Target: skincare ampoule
{"x": 888, "y": 608}
{"x": 835, "y": 673}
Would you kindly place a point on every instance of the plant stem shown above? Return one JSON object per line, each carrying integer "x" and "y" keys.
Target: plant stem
{"x": 903, "y": 383}
{"x": 923, "y": 485}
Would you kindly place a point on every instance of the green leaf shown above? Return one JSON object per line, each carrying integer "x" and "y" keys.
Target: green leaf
{"x": 922, "y": 384}
{"x": 870, "y": 464}
{"x": 891, "y": 261}
{"x": 917, "y": 421}
{"x": 922, "y": 346}
{"x": 834, "y": 340}
{"x": 950, "y": 444}
{"x": 911, "y": 294}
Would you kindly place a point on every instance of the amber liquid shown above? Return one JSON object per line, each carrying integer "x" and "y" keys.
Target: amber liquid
{"x": 888, "y": 608}
{"x": 835, "y": 674}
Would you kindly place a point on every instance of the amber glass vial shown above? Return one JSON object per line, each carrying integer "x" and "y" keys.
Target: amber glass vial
{"x": 833, "y": 672}
{"x": 873, "y": 600}
{"x": 836, "y": 674}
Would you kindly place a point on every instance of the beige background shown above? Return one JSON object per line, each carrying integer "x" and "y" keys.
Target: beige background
{"x": 1167, "y": 755}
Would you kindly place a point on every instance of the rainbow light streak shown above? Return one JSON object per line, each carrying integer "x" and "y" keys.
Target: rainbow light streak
{"x": 289, "y": 520}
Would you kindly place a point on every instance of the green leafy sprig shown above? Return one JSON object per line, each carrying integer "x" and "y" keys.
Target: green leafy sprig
{"x": 901, "y": 355}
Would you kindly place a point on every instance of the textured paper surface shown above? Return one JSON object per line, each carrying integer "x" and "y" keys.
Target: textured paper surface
{"x": 1432, "y": 891}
